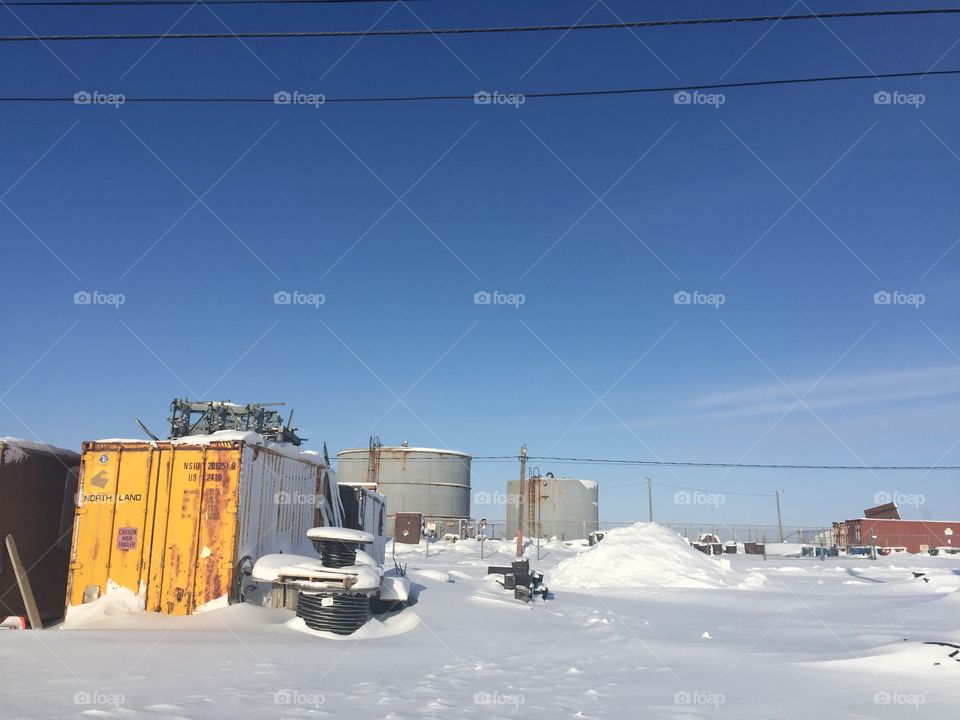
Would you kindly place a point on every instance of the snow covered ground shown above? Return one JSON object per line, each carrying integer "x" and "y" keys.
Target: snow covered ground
{"x": 674, "y": 636}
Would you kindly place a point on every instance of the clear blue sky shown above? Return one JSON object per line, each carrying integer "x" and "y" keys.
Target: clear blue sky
{"x": 505, "y": 203}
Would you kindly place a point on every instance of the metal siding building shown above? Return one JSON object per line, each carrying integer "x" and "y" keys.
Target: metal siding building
{"x": 37, "y": 487}
{"x": 563, "y": 507}
{"x": 915, "y": 535}
{"x": 430, "y": 481}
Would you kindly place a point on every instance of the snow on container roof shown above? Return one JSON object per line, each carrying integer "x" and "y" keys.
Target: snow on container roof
{"x": 402, "y": 448}
{"x": 244, "y": 436}
{"x": 33, "y": 446}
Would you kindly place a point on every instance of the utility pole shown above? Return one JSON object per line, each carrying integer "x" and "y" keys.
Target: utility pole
{"x": 779, "y": 521}
{"x": 523, "y": 475}
{"x": 650, "y": 497}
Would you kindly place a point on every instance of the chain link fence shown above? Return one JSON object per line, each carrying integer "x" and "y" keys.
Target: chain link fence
{"x": 910, "y": 537}
{"x": 579, "y": 530}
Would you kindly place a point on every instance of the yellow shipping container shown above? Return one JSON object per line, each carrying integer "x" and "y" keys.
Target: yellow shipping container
{"x": 180, "y": 522}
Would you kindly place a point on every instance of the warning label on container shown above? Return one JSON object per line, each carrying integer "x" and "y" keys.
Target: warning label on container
{"x": 126, "y": 538}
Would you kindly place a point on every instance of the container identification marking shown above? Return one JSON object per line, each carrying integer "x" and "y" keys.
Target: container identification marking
{"x": 187, "y": 504}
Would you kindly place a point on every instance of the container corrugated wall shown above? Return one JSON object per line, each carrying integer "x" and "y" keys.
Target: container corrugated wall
{"x": 37, "y": 485}
{"x": 915, "y": 535}
{"x": 172, "y": 522}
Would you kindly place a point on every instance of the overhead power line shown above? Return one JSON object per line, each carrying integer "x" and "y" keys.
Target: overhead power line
{"x": 690, "y": 489}
{"x": 631, "y": 25}
{"x": 135, "y": 3}
{"x": 675, "y": 463}
{"x": 482, "y": 97}
{"x": 744, "y": 466}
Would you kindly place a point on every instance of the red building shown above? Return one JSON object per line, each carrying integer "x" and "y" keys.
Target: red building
{"x": 915, "y": 535}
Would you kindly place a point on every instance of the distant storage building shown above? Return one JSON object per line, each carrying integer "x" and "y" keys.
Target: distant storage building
{"x": 566, "y": 508}
{"x": 917, "y": 536}
{"x": 429, "y": 481}
{"x": 37, "y": 487}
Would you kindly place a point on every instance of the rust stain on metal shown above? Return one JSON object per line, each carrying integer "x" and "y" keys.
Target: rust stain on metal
{"x": 169, "y": 517}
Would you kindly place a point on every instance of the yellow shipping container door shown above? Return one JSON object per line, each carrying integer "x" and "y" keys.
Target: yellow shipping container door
{"x": 157, "y": 518}
{"x": 218, "y": 526}
{"x": 112, "y": 531}
{"x": 131, "y": 532}
{"x": 89, "y": 557}
{"x": 183, "y": 523}
{"x": 199, "y": 540}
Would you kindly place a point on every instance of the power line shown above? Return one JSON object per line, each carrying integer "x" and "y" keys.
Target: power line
{"x": 677, "y": 463}
{"x": 690, "y": 489}
{"x": 743, "y": 466}
{"x": 631, "y": 25}
{"x": 147, "y": 3}
{"x": 481, "y": 97}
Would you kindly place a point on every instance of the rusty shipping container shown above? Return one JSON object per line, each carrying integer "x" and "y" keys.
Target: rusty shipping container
{"x": 915, "y": 535}
{"x": 180, "y": 522}
{"x": 37, "y": 486}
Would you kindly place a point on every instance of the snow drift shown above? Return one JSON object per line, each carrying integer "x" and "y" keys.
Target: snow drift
{"x": 647, "y": 554}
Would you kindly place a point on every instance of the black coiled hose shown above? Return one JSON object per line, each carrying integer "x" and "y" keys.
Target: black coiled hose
{"x": 342, "y": 613}
{"x": 336, "y": 554}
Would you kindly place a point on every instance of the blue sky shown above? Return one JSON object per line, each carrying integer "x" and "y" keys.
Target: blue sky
{"x": 798, "y": 364}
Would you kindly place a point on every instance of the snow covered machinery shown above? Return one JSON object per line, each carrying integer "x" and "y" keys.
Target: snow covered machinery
{"x": 338, "y": 592}
{"x": 524, "y": 582}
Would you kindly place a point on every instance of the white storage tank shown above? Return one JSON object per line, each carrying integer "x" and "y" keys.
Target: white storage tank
{"x": 429, "y": 481}
{"x": 566, "y": 508}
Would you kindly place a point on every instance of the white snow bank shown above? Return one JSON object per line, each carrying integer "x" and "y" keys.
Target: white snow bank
{"x": 911, "y": 660}
{"x": 783, "y": 549}
{"x": 436, "y": 575}
{"x": 375, "y": 628}
{"x": 944, "y": 581}
{"x": 647, "y": 554}
{"x": 116, "y": 601}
